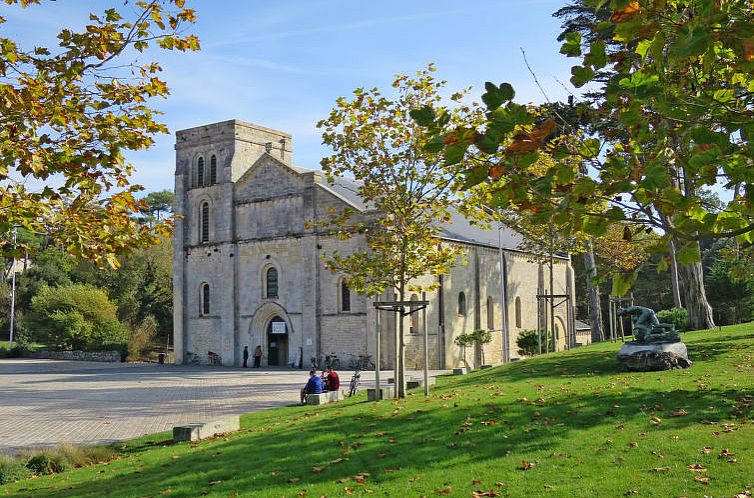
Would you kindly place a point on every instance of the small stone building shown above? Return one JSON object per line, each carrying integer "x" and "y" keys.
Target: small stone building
{"x": 248, "y": 268}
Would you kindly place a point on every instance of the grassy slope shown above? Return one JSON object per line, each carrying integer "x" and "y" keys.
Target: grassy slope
{"x": 587, "y": 428}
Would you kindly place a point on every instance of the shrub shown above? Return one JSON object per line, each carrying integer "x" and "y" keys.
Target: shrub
{"x": 528, "y": 342}
{"x": 677, "y": 316}
{"x": 12, "y": 469}
{"x": 76, "y": 316}
{"x": 142, "y": 338}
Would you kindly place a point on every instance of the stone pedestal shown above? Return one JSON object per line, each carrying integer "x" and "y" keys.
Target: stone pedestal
{"x": 641, "y": 357}
{"x": 385, "y": 393}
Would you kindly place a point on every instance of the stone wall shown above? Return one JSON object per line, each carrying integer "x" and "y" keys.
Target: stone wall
{"x": 107, "y": 356}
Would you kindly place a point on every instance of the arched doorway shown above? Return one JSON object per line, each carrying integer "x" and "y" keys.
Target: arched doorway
{"x": 277, "y": 342}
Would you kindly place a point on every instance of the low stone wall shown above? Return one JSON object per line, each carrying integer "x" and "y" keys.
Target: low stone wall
{"x": 108, "y": 356}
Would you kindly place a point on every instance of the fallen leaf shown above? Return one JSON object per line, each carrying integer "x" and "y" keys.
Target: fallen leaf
{"x": 702, "y": 479}
{"x": 317, "y": 470}
{"x": 655, "y": 421}
{"x": 695, "y": 467}
{"x": 294, "y": 479}
{"x": 499, "y": 484}
{"x": 212, "y": 483}
{"x": 706, "y": 449}
{"x": 274, "y": 473}
{"x": 481, "y": 493}
{"x": 344, "y": 480}
{"x": 527, "y": 465}
{"x": 444, "y": 491}
{"x": 679, "y": 413}
{"x": 661, "y": 469}
{"x": 165, "y": 491}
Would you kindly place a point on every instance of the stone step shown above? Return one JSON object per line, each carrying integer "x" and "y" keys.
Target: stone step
{"x": 203, "y": 430}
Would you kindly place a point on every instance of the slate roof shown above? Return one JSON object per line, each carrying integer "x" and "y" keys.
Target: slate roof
{"x": 460, "y": 228}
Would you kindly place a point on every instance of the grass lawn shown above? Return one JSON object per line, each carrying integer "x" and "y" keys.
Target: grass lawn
{"x": 567, "y": 424}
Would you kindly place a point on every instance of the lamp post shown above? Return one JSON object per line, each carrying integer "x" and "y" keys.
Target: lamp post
{"x": 12, "y": 292}
{"x": 503, "y": 295}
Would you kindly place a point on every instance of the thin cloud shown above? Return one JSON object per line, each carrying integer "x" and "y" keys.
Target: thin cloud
{"x": 332, "y": 28}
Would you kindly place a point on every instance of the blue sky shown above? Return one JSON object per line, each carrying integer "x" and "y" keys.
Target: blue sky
{"x": 282, "y": 64}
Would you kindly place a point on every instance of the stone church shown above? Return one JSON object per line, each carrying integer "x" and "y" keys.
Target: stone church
{"x": 248, "y": 268}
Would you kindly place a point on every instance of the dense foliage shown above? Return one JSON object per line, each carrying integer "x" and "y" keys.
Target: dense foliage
{"x": 69, "y": 112}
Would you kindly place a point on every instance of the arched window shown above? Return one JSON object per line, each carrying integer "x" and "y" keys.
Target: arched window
{"x": 461, "y": 303}
{"x": 490, "y": 313}
{"x": 205, "y": 299}
{"x": 518, "y": 312}
{"x": 272, "y": 283}
{"x": 204, "y": 226}
{"x": 414, "y": 327}
{"x": 212, "y": 170}
{"x": 345, "y": 296}
{"x": 200, "y": 172}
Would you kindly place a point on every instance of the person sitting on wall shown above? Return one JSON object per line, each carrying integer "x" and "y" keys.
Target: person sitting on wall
{"x": 332, "y": 381}
{"x": 313, "y": 386}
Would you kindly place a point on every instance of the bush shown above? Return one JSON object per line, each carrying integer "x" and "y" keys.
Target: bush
{"x": 141, "y": 340}
{"x": 677, "y": 316}
{"x": 76, "y": 316}
{"x": 12, "y": 469}
{"x": 60, "y": 459}
{"x": 528, "y": 342}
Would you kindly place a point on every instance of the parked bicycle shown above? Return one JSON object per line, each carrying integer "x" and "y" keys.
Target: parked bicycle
{"x": 353, "y": 386}
{"x": 363, "y": 362}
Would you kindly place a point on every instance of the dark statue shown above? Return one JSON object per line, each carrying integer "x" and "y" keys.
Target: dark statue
{"x": 647, "y": 329}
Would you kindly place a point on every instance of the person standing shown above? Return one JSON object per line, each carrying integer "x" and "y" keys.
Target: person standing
{"x": 246, "y": 356}
{"x": 257, "y": 356}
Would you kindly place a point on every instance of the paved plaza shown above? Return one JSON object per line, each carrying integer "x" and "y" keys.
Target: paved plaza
{"x": 50, "y": 402}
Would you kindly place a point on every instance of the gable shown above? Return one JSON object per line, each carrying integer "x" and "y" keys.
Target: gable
{"x": 268, "y": 178}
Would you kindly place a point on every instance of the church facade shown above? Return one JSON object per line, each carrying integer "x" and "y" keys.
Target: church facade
{"x": 249, "y": 270}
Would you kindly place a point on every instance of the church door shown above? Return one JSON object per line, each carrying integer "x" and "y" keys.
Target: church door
{"x": 277, "y": 342}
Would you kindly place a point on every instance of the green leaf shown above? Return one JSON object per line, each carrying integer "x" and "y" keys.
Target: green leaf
{"x": 495, "y": 96}
{"x": 572, "y": 45}
{"x": 691, "y": 43}
{"x": 581, "y": 75}
{"x": 423, "y": 116}
{"x": 474, "y": 176}
{"x": 688, "y": 254}
{"x": 596, "y": 56}
{"x": 622, "y": 282}
{"x": 454, "y": 154}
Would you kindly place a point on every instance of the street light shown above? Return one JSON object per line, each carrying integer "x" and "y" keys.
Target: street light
{"x": 12, "y": 291}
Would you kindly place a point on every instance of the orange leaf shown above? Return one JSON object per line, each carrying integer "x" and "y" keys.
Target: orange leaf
{"x": 625, "y": 14}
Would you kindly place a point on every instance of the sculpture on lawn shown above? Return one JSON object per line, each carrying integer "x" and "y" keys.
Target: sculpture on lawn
{"x": 647, "y": 328}
{"x": 657, "y": 346}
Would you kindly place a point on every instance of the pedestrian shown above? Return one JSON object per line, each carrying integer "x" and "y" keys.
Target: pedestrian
{"x": 313, "y": 386}
{"x": 246, "y": 356}
{"x": 257, "y": 356}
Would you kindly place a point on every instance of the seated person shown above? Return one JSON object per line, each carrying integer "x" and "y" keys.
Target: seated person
{"x": 332, "y": 381}
{"x": 313, "y": 386}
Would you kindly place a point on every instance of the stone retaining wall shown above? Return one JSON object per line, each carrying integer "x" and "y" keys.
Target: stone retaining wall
{"x": 108, "y": 356}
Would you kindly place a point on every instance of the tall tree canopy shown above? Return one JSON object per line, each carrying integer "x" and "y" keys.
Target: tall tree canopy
{"x": 679, "y": 98}
{"x": 68, "y": 114}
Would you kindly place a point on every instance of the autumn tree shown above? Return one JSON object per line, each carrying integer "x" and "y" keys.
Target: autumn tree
{"x": 69, "y": 112}
{"x": 680, "y": 95}
{"x": 401, "y": 179}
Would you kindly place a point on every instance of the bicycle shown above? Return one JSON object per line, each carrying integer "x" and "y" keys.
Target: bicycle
{"x": 364, "y": 362}
{"x": 353, "y": 386}
{"x": 332, "y": 361}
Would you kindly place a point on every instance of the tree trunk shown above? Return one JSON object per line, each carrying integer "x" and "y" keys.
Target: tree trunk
{"x": 695, "y": 297}
{"x": 593, "y": 291}
{"x": 674, "y": 276}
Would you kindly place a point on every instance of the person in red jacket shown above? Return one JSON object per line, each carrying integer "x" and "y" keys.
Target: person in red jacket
{"x": 332, "y": 381}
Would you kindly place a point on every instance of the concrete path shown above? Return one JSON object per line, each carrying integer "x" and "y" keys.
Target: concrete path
{"x": 49, "y": 402}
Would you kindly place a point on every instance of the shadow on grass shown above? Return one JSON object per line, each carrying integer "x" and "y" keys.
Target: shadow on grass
{"x": 449, "y": 429}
